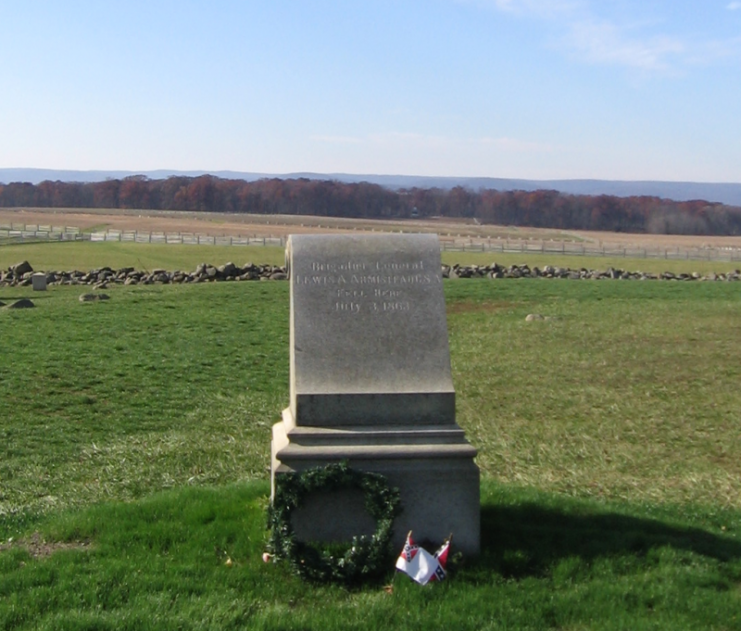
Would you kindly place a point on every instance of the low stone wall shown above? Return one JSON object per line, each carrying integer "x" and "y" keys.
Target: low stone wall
{"x": 525, "y": 271}
{"x": 20, "y": 275}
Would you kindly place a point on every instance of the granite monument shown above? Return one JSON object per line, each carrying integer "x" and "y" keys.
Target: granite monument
{"x": 371, "y": 384}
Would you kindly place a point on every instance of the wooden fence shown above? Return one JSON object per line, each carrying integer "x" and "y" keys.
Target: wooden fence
{"x": 570, "y": 248}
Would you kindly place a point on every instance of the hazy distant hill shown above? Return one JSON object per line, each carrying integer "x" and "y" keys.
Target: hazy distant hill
{"x": 726, "y": 193}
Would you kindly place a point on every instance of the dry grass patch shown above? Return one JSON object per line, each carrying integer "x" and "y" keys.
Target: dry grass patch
{"x": 38, "y": 547}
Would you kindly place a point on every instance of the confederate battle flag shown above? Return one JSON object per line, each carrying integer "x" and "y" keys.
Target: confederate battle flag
{"x": 420, "y": 565}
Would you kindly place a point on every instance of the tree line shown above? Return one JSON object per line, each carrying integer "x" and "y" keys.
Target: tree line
{"x": 330, "y": 198}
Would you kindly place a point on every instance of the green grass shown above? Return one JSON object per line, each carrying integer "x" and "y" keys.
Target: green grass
{"x": 150, "y": 390}
{"x": 630, "y": 392}
{"x": 86, "y": 255}
{"x": 190, "y": 559}
{"x": 608, "y": 440}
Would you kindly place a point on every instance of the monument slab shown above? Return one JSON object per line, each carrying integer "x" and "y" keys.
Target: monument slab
{"x": 369, "y": 339}
{"x": 371, "y": 382}
{"x": 38, "y": 281}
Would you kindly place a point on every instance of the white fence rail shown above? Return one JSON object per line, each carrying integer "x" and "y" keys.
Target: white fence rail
{"x": 182, "y": 239}
{"x": 525, "y": 246}
{"x": 24, "y": 232}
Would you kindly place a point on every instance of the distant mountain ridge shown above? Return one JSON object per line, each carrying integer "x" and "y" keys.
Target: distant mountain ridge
{"x": 723, "y": 192}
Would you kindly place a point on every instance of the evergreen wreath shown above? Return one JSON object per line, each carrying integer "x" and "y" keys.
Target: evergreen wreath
{"x": 365, "y": 557}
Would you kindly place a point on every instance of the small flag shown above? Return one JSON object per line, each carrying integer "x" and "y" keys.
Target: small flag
{"x": 419, "y": 564}
{"x": 410, "y": 549}
{"x": 442, "y": 554}
{"x": 442, "y": 558}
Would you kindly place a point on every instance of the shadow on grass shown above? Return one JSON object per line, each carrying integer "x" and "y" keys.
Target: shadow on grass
{"x": 528, "y": 540}
{"x": 40, "y": 296}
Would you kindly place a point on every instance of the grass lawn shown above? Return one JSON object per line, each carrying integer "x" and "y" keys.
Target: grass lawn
{"x": 86, "y": 255}
{"x": 134, "y": 440}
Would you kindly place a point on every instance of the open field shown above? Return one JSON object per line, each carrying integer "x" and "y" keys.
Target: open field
{"x": 85, "y": 255}
{"x": 134, "y": 438}
{"x": 226, "y": 224}
{"x": 626, "y": 373}
{"x": 261, "y": 225}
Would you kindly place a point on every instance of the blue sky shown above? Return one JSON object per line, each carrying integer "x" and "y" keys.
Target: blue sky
{"x": 610, "y": 89}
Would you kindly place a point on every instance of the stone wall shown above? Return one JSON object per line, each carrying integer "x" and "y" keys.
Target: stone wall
{"x": 548, "y": 271}
{"x": 20, "y": 275}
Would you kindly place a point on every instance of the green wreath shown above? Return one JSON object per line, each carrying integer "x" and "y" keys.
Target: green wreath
{"x": 365, "y": 557}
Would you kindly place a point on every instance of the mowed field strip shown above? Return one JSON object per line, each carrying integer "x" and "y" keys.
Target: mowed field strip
{"x": 86, "y": 255}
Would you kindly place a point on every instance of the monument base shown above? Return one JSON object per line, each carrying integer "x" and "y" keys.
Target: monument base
{"x": 432, "y": 466}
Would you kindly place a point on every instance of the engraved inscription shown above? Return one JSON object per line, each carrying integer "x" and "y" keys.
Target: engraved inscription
{"x": 396, "y": 279}
{"x": 348, "y": 307}
{"x": 351, "y": 293}
{"x": 396, "y": 306}
{"x": 386, "y": 293}
{"x": 367, "y": 286}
